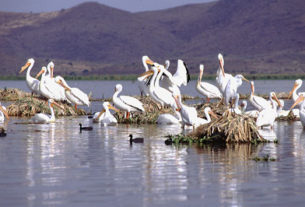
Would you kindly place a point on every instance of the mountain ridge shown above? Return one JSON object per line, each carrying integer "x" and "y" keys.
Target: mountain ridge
{"x": 255, "y": 37}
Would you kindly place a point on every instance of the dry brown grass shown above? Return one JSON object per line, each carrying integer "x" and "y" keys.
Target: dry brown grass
{"x": 230, "y": 129}
{"x": 29, "y": 106}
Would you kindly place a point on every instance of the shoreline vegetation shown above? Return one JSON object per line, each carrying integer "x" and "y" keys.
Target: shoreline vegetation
{"x": 133, "y": 77}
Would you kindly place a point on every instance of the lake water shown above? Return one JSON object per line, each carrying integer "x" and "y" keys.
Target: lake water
{"x": 56, "y": 165}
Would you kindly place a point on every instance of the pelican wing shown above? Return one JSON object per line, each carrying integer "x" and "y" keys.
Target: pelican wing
{"x": 182, "y": 75}
{"x": 80, "y": 95}
{"x": 259, "y": 102}
{"x": 133, "y": 102}
{"x": 210, "y": 90}
{"x": 41, "y": 118}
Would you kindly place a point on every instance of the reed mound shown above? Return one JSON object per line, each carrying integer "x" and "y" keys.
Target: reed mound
{"x": 150, "y": 116}
{"x": 230, "y": 129}
{"x": 29, "y": 106}
{"x": 13, "y": 94}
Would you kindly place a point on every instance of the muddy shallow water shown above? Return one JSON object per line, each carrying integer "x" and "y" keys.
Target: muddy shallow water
{"x": 56, "y": 165}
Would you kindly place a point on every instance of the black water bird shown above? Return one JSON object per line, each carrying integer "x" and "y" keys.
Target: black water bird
{"x": 2, "y": 132}
{"x": 84, "y": 128}
{"x": 135, "y": 140}
{"x": 169, "y": 141}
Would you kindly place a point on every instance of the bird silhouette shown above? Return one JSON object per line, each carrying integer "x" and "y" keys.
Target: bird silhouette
{"x": 81, "y": 128}
{"x": 135, "y": 140}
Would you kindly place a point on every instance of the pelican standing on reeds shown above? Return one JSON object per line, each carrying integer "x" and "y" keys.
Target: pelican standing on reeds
{"x": 32, "y": 83}
{"x": 258, "y": 102}
{"x": 207, "y": 89}
{"x": 231, "y": 89}
{"x": 126, "y": 103}
{"x": 74, "y": 95}
{"x": 143, "y": 82}
{"x": 222, "y": 78}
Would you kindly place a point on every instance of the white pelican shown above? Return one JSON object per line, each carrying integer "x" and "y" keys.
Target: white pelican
{"x": 232, "y": 86}
{"x": 267, "y": 116}
{"x": 258, "y": 102}
{"x": 222, "y": 78}
{"x": 299, "y": 100}
{"x": 167, "y": 119}
{"x": 189, "y": 114}
{"x": 143, "y": 82}
{"x": 105, "y": 117}
{"x": 293, "y": 92}
{"x": 48, "y": 87}
{"x": 31, "y": 82}
{"x": 74, "y": 95}
{"x": 58, "y": 88}
{"x": 126, "y": 103}
{"x": 207, "y": 112}
{"x": 41, "y": 118}
{"x": 181, "y": 76}
{"x": 173, "y": 82}
{"x": 207, "y": 89}
{"x": 152, "y": 87}
{"x": 251, "y": 113}
{"x": 47, "y": 90}
{"x": 161, "y": 93}
{"x": 3, "y": 114}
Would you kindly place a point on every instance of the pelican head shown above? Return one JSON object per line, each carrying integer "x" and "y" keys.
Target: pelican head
{"x": 107, "y": 105}
{"x": 208, "y": 110}
{"x": 29, "y": 62}
{"x": 241, "y": 77}
{"x": 221, "y": 63}
{"x": 118, "y": 87}
{"x": 60, "y": 80}
{"x": 42, "y": 71}
{"x": 51, "y": 103}
{"x": 167, "y": 64}
{"x": 273, "y": 96}
{"x": 147, "y": 60}
{"x": 51, "y": 66}
{"x": 297, "y": 84}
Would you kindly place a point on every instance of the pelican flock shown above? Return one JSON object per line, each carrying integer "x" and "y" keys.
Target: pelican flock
{"x": 164, "y": 88}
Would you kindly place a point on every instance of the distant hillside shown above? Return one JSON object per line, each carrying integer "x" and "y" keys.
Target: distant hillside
{"x": 255, "y": 36}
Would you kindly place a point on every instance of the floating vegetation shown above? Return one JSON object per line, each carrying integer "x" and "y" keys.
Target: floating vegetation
{"x": 290, "y": 117}
{"x": 230, "y": 129}
{"x": 265, "y": 158}
{"x": 29, "y": 106}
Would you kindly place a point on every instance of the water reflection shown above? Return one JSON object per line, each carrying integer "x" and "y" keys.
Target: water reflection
{"x": 55, "y": 164}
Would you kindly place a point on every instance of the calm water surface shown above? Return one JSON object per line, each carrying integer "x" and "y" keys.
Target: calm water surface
{"x": 56, "y": 165}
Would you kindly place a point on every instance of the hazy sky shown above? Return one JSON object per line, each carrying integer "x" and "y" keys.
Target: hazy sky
{"x": 54, "y": 5}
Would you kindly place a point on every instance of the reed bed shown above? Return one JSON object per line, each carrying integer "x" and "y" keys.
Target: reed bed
{"x": 150, "y": 116}
{"x": 29, "y": 106}
{"x": 230, "y": 129}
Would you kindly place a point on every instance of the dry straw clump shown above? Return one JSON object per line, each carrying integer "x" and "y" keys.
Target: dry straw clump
{"x": 12, "y": 94}
{"x": 29, "y": 106}
{"x": 229, "y": 128}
